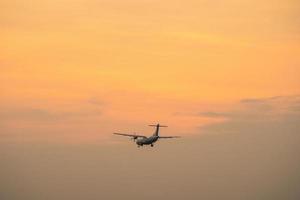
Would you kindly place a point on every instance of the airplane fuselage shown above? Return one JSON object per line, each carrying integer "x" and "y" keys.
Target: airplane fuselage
{"x": 147, "y": 140}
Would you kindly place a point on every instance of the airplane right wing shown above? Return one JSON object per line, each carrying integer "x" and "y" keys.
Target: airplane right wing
{"x": 168, "y": 137}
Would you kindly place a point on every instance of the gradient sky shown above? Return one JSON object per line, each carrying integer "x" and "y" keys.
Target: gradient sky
{"x": 74, "y": 71}
{"x": 92, "y": 67}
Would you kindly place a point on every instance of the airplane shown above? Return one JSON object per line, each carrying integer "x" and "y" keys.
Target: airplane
{"x": 143, "y": 140}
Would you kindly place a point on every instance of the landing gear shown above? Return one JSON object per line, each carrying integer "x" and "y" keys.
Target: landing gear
{"x": 151, "y": 145}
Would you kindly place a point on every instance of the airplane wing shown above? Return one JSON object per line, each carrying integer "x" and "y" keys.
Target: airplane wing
{"x": 168, "y": 137}
{"x": 130, "y": 135}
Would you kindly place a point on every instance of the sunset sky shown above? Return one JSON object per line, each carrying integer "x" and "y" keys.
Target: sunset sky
{"x": 74, "y": 71}
{"x": 91, "y": 67}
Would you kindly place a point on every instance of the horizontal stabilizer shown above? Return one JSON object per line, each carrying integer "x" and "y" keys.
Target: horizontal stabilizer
{"x": 158, "y": 125}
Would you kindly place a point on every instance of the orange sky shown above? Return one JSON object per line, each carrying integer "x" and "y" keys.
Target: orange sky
{"x": 79, "y": 70}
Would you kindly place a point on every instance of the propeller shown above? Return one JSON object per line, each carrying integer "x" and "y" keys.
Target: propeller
{"x": 134, "y": 137}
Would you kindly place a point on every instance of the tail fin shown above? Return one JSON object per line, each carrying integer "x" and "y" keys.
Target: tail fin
{"x": 157, "y": 129}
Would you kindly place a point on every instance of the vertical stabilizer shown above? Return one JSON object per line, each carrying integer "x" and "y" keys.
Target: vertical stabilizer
{"x": 157, "y": 129}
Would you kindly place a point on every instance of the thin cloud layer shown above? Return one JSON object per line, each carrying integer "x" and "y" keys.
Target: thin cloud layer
{"x": 262, "y": 115}
{"x": 40, "y": 114}
{"x": 212, "y": 114}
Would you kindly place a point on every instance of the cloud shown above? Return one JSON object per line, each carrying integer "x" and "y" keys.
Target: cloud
{"x": 261, "y": 100}
{"x": 42, "y": 114}
{"x": 274, "y": 114}
{"x": 258, "y": 146}
{"x": 27, "y": 113}
{"x": 254, "y": 108}
{"x": 96, "y": 101}
{"x": 38, "y": 123}
{"x": 213, "y": 114}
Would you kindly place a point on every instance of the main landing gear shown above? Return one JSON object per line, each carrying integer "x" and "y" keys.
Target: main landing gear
{"x": 151, "y": 145}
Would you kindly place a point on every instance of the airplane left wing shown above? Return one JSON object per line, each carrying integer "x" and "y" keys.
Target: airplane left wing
{"x": 131, "y": 135}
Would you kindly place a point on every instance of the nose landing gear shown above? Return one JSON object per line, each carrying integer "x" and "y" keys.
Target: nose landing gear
{"x": 151, "y": 145}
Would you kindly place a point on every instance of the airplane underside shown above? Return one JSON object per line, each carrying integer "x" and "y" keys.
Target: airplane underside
{"x": 140, "y": 145}
{"x": 147, "y": 141}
